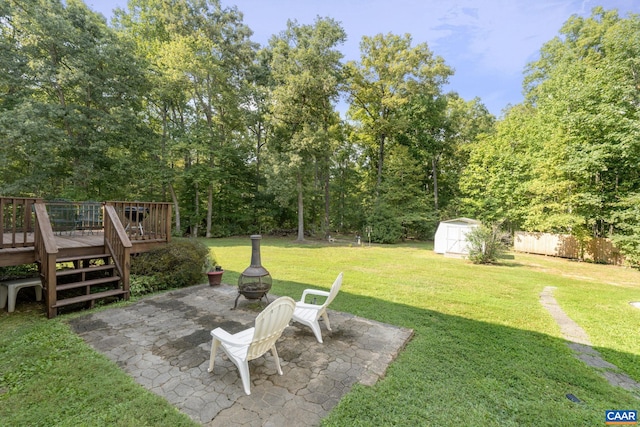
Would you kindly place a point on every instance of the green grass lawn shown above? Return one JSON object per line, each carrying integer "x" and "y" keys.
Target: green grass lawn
{"x": 485, "y": 352}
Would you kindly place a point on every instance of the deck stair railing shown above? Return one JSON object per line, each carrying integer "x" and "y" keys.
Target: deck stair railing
{"x": 71, "y": 277}
{"x": 81, "y": 279}
{"x": 46, "y": 253}
{"x": 117, "y": 244}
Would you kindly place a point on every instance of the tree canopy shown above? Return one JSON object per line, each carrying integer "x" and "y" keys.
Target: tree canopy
{"x": 566, "y": 159}
{"x": 174, "y": 102}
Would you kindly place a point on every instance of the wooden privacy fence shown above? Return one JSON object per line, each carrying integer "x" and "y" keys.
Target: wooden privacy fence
{"x": 567, "y": 246}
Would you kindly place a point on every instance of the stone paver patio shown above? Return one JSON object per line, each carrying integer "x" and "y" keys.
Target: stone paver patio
{"x": 163, "y": 342}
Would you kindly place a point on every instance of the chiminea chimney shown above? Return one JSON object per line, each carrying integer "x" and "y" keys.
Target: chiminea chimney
{"x": 255, "y": 280}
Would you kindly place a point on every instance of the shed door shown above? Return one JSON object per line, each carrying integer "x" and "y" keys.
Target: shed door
{"x": 456, "y": 239}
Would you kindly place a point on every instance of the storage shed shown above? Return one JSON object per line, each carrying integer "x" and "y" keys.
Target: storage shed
{"x": 451, "y": 236}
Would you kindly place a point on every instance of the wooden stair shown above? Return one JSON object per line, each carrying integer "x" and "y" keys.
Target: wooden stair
{"x": 32, "y": 240}
{"x": 87, "y": 279}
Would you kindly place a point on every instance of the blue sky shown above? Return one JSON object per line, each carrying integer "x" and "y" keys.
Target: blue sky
{"x": 487, "y": 42}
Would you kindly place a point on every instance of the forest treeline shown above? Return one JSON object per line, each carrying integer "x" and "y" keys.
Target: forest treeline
{"x": 173, "y": 101}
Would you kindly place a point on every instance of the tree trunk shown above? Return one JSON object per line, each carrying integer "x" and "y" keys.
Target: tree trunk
{"x": 194, "y": 231}
{"x": 259, "y": 144}
{"x": 300, "y": 209}
{"x": 209, "y": 209}
{"x": 326, "y": 201}
{"x": 176, "y": 207}
{"x": 380, "y": 163}
{"x": 434, "y": 172}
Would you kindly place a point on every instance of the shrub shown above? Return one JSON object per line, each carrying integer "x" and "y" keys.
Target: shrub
{"x": 142, "y": 285}
{"x": 18, "y": 271}
{"x": 386, "y": 228}
{"x": 420, "y": 226}
{"x": 175, "y": 265}
{"x": 486, "y": 244}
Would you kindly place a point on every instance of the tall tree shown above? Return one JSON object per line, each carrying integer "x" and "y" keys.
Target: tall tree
{"x": 206, "y": 50}
{"x": 168, "y": 110}
{"x": 495, "y": 180}
{"x": 395, "y": 94}
{"x": 73, "y": 90}
{"x": 585, "y": 88}
{"x": 466, "y": 122}
{"x": 346, "y": 189}
{"x": 306, "y": 69}
{"x": 566, "y": 160}
{"x": 389, "y": 74}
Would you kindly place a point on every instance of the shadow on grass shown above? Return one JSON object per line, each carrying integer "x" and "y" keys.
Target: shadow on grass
{"x": 459, "y": 371}
{"x": 412, "y": 317}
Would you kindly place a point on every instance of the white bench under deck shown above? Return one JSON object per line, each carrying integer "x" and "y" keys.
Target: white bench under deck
{"x": 9, "y": 291}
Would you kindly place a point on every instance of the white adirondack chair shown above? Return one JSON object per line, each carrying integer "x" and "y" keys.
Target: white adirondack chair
{"x": 254, "y": 342}
{"x": 309, "y": 314}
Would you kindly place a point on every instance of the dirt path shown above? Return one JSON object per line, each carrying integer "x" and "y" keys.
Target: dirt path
{"x": 579, "y": 342}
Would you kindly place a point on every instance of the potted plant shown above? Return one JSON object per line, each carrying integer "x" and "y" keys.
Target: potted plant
{"x": 214, "y": 271}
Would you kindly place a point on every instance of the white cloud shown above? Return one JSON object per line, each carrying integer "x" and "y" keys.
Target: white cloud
{"x": 501, "y": 35}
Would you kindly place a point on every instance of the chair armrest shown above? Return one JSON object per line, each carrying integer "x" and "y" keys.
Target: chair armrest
{"x": 310, "y": 306}
{"x": 313, "y": 292}
{"x": 233, "y": 339}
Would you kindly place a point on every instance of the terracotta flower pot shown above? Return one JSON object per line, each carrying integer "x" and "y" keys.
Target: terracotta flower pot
{"x": 215, "y": 277}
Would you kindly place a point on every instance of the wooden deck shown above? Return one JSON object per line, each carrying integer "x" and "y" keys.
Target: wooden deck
{"x": 83, "y": 240}
{"x": 82, "y": 249}
{"x": 76, "y": 243}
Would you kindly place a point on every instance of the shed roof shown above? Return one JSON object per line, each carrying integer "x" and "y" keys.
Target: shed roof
{"x": 462, "y": 221}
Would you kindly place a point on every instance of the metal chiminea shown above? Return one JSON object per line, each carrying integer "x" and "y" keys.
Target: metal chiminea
{"x": 255, "y": 280}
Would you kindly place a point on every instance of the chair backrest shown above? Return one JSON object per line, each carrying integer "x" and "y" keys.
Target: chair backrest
{"x": 269, "y": 325}
{"x": 334, "y": 290}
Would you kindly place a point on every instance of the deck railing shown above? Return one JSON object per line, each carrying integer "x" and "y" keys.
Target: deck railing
{"x": 17, "y": 222}
{"x": 118, "y": 245}
{"x": 67, "y": 216}
{"x": 29, "y": 225}
{"x": 145, "y": 220}
{"x": 46, "y": 252}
